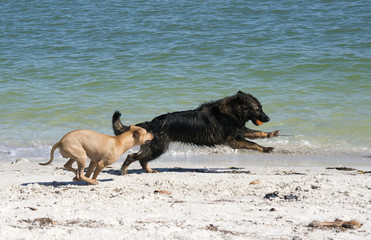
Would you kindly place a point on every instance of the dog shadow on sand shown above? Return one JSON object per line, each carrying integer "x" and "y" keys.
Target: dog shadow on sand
{"x": 117, "y": 172}
{"x": 231, "y": 170}
{"x": 58, "y": 184}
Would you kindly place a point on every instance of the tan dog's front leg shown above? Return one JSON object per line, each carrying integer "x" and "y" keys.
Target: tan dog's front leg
{"x": 99, "y": 168}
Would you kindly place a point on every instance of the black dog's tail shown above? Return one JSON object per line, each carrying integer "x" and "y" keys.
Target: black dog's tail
{"x": 118, "y": 127}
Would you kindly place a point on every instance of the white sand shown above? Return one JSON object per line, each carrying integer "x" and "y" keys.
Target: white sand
{"x": 39, "y": 202}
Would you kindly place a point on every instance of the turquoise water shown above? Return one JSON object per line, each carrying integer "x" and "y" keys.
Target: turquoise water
{"x": 70, "y": 64}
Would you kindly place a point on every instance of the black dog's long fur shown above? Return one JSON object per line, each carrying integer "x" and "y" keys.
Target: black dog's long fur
{"x": 221, "y": 122}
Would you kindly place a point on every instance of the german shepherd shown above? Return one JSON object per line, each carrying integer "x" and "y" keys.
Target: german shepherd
{"x": 220, "y": 122}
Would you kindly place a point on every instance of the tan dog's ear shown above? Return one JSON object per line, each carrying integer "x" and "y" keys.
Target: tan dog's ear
{"x": 136, "y": 134}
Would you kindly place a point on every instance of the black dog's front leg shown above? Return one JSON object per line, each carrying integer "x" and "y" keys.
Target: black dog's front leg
{"x": 239, "y": 143}
{"x": 254, "y": 134}
{"x": 147, "y": 153}
{"x": 135, "y": 157}
{"x": 129, "y": 160}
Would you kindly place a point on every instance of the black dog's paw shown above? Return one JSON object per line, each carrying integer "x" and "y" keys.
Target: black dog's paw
{"x": 267, "y": 149}
{"x": 274, "y": 134}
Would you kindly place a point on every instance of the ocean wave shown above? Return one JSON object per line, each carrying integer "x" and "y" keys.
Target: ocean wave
{"x": 284, "y": 145}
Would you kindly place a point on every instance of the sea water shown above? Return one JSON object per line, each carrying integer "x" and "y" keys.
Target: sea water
{"x": 66, "y": 65}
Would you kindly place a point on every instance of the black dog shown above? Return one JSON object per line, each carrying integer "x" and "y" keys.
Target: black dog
{"x": 221, "y": 122}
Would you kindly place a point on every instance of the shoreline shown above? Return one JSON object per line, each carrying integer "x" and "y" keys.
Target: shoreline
{"x": 183, "y": 201}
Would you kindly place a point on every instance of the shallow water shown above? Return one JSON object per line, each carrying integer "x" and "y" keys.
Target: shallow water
{"x": 69, "y": 65}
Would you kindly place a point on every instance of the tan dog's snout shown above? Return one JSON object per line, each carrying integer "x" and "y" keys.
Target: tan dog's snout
{"x": 148, "y": 138}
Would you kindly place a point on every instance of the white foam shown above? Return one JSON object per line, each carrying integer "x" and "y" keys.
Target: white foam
{"x": 284, "y": 145}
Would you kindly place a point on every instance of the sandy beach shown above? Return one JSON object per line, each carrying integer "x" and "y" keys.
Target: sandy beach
{"x": 68, "y": 65}
{"x": 183, "y": 201}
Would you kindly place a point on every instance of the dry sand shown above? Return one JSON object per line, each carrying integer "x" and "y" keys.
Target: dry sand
{"x": 193, "y": 202}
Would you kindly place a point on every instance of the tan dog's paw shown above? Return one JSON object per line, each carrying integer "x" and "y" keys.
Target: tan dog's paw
{"x": 75, "y": 179}
{"x": 93, "y": 181}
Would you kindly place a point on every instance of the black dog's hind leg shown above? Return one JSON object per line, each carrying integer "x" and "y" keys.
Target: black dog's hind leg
{"x": 143, "y": 157}
{"x": 240, "y": 143}
{"x": 147, "y": 153}
{"x": 254, "y": 134}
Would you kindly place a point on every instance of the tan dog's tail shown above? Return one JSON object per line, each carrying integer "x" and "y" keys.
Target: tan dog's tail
{"x": 51, "y": 154}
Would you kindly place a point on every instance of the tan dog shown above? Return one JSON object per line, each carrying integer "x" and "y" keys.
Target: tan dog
{"x": 102, "y": 150}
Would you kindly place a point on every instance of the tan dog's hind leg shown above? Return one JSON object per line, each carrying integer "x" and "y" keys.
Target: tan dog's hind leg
{"x": 69, "y": 167}
{"x": 80, "y": 176}
{"x": 90, "y": 169}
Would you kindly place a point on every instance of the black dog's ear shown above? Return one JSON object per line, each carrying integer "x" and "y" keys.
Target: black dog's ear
{"x": 241, "y": 95}
{"x": 245, "y": 96}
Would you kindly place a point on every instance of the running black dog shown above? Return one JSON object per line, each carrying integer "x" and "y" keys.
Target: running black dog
{"x": 221, "y": 122}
